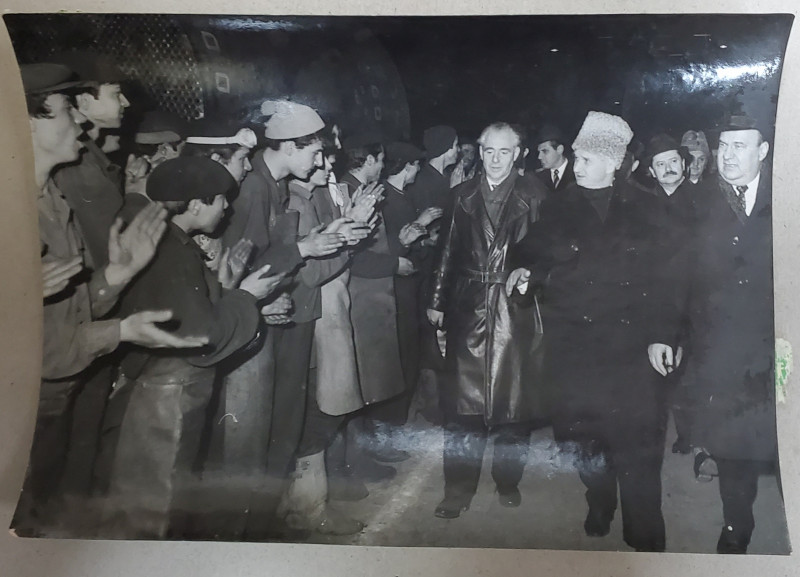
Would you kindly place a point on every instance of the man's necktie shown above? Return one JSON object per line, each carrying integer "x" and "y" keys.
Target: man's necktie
{"x": 740, "y": 198}
{"x": 555, "y": 178}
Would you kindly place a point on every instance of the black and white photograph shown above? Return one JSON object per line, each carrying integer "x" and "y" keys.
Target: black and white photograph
{"x": 408, "y": 281}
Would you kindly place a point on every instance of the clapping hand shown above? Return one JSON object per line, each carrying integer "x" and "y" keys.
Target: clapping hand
{"x": 411, "y": 232}
{"x": 260, "y": 284}
{"x": 319, "y": 243}
{"x": 140, "y": 329}
{"x": 277, "y": 312}
{"x": 57, "y": 272}
{"x": 131, "y": 250}
{"x": 136, "y": 171}
{"x": 429, "y": 215}
{"x": 233, "y": 263}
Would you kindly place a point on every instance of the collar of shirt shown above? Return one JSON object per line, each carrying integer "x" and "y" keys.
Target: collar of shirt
{"x": 751, "y": 193}
{"x": 561, "y": 169}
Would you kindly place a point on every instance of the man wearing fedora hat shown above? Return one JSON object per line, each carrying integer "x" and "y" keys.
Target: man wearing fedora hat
{"x": 730, "y": 307}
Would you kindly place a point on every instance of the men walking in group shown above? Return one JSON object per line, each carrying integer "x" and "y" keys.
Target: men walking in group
{"x": 556, "y": 171}
{"x": 491, "y": 381}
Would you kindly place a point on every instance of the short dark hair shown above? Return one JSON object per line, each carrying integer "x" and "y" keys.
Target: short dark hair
{"x": 357, "y": 157}
{"x": 300, "y": 142}
{"x": 553, "y": 144}
{"x": 395, "y": 165}
{"x": 225, "y": 151}
{"x": 175, "y": 207}
{"x": 37, "y": 105}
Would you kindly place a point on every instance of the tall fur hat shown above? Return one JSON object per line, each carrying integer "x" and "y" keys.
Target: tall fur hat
{"x": 604, "y": 134}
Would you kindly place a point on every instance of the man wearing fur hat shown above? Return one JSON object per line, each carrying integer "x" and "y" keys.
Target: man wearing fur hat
{"x": 491, "y": 378}
{"x": 591, "y": 253}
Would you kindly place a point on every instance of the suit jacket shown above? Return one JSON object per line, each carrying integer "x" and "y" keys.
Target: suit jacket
{"x": 564, "y": 181}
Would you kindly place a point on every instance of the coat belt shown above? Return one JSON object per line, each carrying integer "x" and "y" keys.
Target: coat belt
{"x": 484, "y": 276}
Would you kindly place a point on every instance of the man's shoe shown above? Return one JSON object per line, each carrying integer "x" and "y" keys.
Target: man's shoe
{"x": 373, "y": 472}
{"x": 705, "y": 467}
{"x": 509, "y": 497}
{"x": 389, "y": 454}
{"x": 344, "y": 486}
{"x": 452, "y": 506}
{"x": 731, "y": 542}
{"x": 598, "y": 523}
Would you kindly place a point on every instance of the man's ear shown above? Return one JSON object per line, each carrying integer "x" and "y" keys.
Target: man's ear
{"x": 516, "y": 153}
{"x": 194, "y": 206}
{"x": 526, "y": 152}
{"x": 289, "y": 147}
{"x": 83, "y": 101}
{"x": 216, "y": 157}
{"x": 651, "y": 171}
{"x": 370, "y": 160}
{"x": 560, "y": 149}
{"x": 763, "y": 149}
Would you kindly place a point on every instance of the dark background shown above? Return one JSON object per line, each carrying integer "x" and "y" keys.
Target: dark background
{"x": 402, "y": 74}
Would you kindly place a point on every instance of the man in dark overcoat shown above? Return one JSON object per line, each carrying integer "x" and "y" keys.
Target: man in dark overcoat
{"x": 731, "y": 367}
{"x": 593, "y": 252}
{"x": 490, "y": 379}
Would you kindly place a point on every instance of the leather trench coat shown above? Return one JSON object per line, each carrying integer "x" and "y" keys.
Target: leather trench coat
{"x": 492, "y": 360}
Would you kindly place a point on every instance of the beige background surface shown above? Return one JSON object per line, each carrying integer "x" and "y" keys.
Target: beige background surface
{"x": 20, "y": 334}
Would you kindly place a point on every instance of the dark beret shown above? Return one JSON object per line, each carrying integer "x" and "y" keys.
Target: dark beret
{"x": 438, "y": 139}
{"x": 47, "y": 77}
{"x": 404, "y": 152}
{"x": 92, "y": 67}
{"x": 362, "y": 140}
{"x": 188, "y": 177}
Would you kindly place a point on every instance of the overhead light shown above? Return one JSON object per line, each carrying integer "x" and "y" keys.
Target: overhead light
{"x": 616, "y": 102}
{"x": 723, "y": 45}
{"x": 554, "y": 50}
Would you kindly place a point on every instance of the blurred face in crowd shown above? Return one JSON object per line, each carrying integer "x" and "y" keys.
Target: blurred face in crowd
{"x": 304, "y": 160}
{"x": 107, "y": 110}
{"x": 499, "y": 150}
{"x": 210, "y": 215}
{"x": 451, "y": 156}
{"x": 412, "y": 169}
{"x": 740, "y": 155}
{"x": 320, "y": 176}
{"x": 593, "y": 170}
{"x": 698, "y": 165}
{"x": 55, "y": 139}
{"x": 668, "y": 167}
{"x": 467, "y": 152}
{"x": 551, "y": 157}
{"x": 238, "y": 164}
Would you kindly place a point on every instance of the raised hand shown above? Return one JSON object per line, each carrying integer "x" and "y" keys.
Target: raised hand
{"x": 56, "y": 273}
{"x": 277, "y": 312}
{"x": 319, "y": 243}
{"x": 411, "y": 232}
{"x": 233, "y": 263}
{"x": 260, "y": 284}
{"x": 429, "y": 215}
{"x": 130, "y": 251}
{"x": 136, "y": 171}
{"x": 140, "y": 329}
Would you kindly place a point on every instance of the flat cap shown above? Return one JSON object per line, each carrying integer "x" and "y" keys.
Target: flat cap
{"x": 92, "y": 66}
{"x": 404, "y": 152}
{"x": 188, "y": 177}
{"x": 47, "y": 77}
{"x": 216, "y": 132}
{"x": 733, "y": 123}
{"x": 289, "y": 120}
{"x": 438, "y": 139}
{"x": 160, "y": 126}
